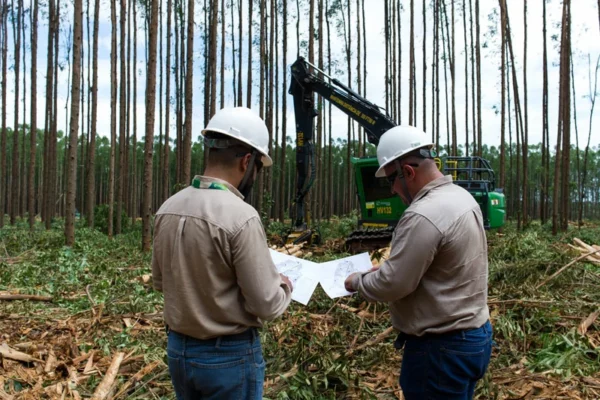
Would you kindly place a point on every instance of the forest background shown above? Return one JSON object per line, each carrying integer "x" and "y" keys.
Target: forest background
{"x": 109, "y": 91}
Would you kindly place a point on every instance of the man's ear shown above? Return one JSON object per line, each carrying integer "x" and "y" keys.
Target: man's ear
{"x": 244, "y": 162}
{"x": 409, "y": 172}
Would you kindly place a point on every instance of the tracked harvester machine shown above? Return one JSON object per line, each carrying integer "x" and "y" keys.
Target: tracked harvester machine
{"x": 380, "y": 210}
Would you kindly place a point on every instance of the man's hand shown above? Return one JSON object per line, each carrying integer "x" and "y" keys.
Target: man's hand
{"x": 348, "y": 282}
{"x": 287, "y": 281}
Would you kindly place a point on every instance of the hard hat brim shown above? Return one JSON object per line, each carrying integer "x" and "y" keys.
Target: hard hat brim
{"x": 380, "y": 173}
{"x": 265, "y": 159}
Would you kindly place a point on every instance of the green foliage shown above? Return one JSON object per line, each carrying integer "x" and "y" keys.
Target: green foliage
{"x": 566, "y": 355}
{"x": 529, "y": 329}
{"x": 267, "y": 206}
{"x": 101, "y": 218}
{"x": 339, "y": 227}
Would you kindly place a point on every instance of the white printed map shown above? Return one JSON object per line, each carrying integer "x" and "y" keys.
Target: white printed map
{"x": 302, "y": 273}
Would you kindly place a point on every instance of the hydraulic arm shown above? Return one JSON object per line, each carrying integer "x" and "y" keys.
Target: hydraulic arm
{"x": 304, "y": 85}
{"x": 380, "y": 209}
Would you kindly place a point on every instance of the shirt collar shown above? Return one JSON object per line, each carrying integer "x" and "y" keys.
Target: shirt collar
{"x": 444, "y": 180}
{"x": 229, "y": 186}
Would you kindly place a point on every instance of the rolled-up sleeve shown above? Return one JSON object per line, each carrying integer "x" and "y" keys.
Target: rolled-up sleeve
{"x": 414, "y": 246}
{"x": 265, "y": 294}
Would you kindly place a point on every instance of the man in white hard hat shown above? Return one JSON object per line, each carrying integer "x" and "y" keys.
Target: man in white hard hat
{"x": 212, "y": 262}
{"x": 435, "y": 279}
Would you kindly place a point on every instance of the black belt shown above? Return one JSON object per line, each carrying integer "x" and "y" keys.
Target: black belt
{"x": 403, "y": 337}
{"x": 248, "y": 334}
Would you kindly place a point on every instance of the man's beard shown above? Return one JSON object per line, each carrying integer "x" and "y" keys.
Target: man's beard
{"x": 246, "y": 189}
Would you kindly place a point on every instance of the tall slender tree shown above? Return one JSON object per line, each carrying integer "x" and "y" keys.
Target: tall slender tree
{"x": 466, "y": 49}
{"x": 233, "y": 57}
{"x": 33, "y": 122}
{"x": 189, "y": 88}
{"x": 22, "y": 185}
{"x": 150, "y": 111}
{"x": 478, "y": 57}
{"x": 545, "y": 126}
{"x": 3, "y": 152}
{"x": 113, "y": 116}
{"x": 122, "y": 116}
{"x": 222, "y": 78}
{"x": 14, "y": 204}
{"x": 566, "y": 114}
{"x": 134, "y": 193}
{"x": 91, "y": 160}
{"x": 165, "y": 172}
{"x": 525, "y": 131}
{"x": 503, "y": 101}
{"x": 284, "y": 119}
{"x": 74, "y": 125}
{"x": 424, "y": 89}
{"x": 48, "y": 119}
{"x": 411, "y": 80}
{"x": 240, "y": 51}
{"x": 249, "y": 77}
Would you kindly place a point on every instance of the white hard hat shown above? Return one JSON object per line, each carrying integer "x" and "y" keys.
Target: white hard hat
{"x": 242, "y": 124}
{"x": 398, "y": 142}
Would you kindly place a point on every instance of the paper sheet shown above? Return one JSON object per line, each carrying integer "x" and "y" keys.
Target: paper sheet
{"x": 334, "y": 273}
{"x": 302, "y": 273}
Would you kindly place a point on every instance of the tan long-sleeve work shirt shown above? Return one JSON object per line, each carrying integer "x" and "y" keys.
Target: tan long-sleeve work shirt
{"x": 211, "y": 260}
{"x": 435, "y": 279}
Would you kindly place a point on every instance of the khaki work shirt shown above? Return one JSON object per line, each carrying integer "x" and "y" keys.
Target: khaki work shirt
{"x": 435, "y": 279}
{"x": 212, "y": 262}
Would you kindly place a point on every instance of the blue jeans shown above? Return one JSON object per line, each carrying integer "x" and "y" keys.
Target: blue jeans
{"x": 220, "y": 369}
{"x": 445, "y": 366}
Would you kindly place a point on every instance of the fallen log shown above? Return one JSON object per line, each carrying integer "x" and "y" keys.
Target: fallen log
{"x": 104, "y": 388}
{"x": 588, "y": 248}
{"x": 7, "y": 352}
{"x": 24, "y": 297}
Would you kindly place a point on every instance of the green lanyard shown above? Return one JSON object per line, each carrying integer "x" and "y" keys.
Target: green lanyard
{"x": 198, "y": 184}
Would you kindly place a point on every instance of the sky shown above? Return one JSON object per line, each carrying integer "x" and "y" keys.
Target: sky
{"x": 586, "y": 52}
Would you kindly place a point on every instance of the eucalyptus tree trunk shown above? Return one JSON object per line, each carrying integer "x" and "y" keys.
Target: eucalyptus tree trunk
{"x": 150, "y": 111}
{"x": 166, "y": 149}
{"x": 545, "y": 128}
{"x": 282, "y": 198}
{"x": 3, "y": 152}
{"x": 503, "y": 97}
{"x": 411, "y": 80}
{"x": 240, "y": 46}
{"x": 47, "y": 199}
{"x": 189, "y": 89}
{"x": 113, "y": 116}
{"x": 33, "y": 122}
{"x": 478, "y": 57}
{"x": 14, "y": 189}
{"x": 222, "y": 91}
{"x": 74, "y": 125}
{"x": 249, "y": 78}
{"x": 122, "y": 117}
{"x": 91, "y": 181}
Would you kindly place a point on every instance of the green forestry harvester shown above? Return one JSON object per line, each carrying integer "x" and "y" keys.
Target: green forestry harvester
{"x": 380, "y": 210}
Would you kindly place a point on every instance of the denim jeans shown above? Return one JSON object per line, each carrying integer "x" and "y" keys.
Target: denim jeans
{"x": 214, "y": 369}
{"x": 445, "y": 366}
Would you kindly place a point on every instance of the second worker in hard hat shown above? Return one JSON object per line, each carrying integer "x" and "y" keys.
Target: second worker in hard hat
{"x": 211, "y": 260}
{"x": 435, "y": 279}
